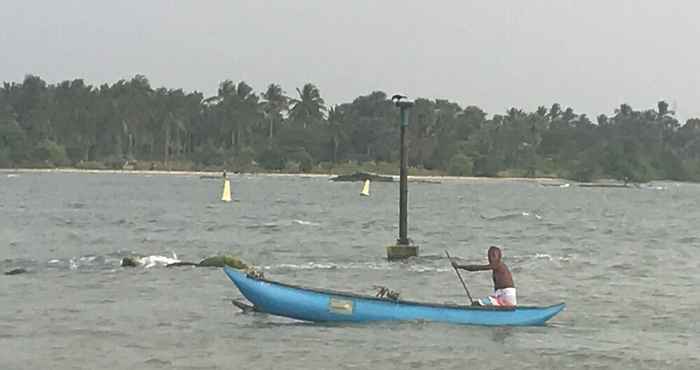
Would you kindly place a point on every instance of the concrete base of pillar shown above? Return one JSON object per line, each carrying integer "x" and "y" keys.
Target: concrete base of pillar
{"x": 401, "y": 251}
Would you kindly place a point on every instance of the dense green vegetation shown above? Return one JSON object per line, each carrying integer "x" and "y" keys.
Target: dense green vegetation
{"x": 130, "y": 124}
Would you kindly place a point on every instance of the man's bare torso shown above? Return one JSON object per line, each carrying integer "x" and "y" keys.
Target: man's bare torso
{"x": 502, "y": 278}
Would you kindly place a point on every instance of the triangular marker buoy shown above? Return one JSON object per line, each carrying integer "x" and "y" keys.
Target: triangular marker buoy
{"x": 226, "y": 194}
{"x": 365, "y": 188}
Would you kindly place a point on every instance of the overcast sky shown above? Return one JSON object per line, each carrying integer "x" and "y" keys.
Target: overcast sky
{"x": 592, "y": 55}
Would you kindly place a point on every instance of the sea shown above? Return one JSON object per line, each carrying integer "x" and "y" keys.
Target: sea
{"x": 624, "y": 260}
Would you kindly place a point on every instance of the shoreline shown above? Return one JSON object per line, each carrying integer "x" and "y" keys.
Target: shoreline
{"x": 274, "y": 174}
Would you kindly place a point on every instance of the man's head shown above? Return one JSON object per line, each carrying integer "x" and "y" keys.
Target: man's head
{"x": 494, "y": 255}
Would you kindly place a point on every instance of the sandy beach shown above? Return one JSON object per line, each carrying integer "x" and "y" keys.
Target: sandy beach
{"x": 273, "y": 174}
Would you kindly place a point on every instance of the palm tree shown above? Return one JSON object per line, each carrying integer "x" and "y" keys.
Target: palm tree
{"x": 309, "y": 108}
{"x": 238, "y": 108}
{"x": 275, "y": 103}
{"x": 335, "y": 126}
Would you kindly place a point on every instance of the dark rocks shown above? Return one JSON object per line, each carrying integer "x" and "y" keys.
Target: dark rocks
{"x": 177, "y": 264}
{"x": 16, "y": 271}
{"x": 215, "y": 261}
{"x": 221, "y": 261}
{"x": 131, "y": 261}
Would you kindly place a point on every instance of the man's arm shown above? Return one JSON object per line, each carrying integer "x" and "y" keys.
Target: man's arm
{"x": 474, "y": 267}
{"x": 471, "y": 267}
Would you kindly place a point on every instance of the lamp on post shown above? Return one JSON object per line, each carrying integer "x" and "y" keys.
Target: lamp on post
{"x": 403, "y": 248}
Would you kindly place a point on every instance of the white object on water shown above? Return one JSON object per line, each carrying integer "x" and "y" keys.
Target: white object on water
{"x": 226, "y": 194}
{"x": 308, "y": 223}
{"x": 150, "y": 261}
{"x": 365, "y": 188}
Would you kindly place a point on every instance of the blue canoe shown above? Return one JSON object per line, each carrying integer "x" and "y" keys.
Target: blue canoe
{"x": 329, "y": 306}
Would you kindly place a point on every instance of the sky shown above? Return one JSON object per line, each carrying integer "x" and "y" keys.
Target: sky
{"x": 591, "y": 55}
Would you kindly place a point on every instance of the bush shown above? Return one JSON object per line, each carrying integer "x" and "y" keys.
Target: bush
{"x": 5, "y": 161}
{"x": 271, "y": 159}
{"x": 209, "y": 156}
{"x": 487, "y": 165}
{"x": 48, "y": 150}
{"x": 244, "y": 160}
{"x": 460, "y": 165}
{"x": 91, "y": 165}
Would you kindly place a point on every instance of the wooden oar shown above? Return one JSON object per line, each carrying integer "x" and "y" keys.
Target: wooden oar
{"x": 460, "y": 279}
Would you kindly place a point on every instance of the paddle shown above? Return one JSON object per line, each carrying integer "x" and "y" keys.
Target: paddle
{"x": 460, "y": 279}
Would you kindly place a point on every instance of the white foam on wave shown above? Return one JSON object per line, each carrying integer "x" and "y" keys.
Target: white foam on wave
{"x": 417, "y": 268}
{"x": 11, "y": 175}
{"x": 54, "y": 261}
{"x": 308, "y": 223}
{"x": 544, "y": 256}
{"x": 527, "y": 214}
{"x": 382, "y": 266}
{"x": 155, "y": 260}
{"x": 150, "y": 261}
{"x": 330, "y": 266}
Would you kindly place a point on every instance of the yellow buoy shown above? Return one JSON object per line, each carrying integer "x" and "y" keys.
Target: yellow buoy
{"x": 365, "y": 188}
{"x": 226, "y": 194}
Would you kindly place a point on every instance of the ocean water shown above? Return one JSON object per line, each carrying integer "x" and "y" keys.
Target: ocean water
{"x": 624, "y": 260}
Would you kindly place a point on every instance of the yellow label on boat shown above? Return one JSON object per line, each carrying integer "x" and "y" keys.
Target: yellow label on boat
{"x": 340, "y": 306}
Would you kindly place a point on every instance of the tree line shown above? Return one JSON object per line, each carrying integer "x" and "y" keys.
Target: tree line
{"x": 72, "y": 123}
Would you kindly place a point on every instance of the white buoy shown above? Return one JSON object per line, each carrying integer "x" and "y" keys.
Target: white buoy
{"x": 365, "y": 188}
{"x": 226, "y": 194}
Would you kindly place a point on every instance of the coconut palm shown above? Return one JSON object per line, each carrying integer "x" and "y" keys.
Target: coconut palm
{"x": 238, "y": 109}
{"x": 309, "y": 108}
{"x": 276, "y": 102}
{"x": 335, "y": 127}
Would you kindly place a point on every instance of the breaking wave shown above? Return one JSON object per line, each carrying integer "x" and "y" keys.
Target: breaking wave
{"x": 308, "y": 223}
{"x": 383, "y": 266}
{"x": 511, "y": 216}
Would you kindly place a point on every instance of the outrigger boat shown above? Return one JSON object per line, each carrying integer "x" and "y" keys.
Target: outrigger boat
{"x": 330, "y": 306}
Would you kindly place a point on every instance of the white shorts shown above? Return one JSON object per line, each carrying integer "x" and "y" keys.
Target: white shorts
{"x": 501, "y": 297}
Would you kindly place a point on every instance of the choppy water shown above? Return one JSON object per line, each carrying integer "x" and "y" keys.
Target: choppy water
{"x": 624, "y": 260}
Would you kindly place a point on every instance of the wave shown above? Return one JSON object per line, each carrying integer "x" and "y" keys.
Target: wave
{"x": 382, "y": 266}
{"x": 89, "y": 262}
{"x": 329, "y": 266}
{"x": 275, "y": 225}
{"x": 510, "y": 216}
{"x": 424, "y": 264}
{"x": 151, "y": 261}
{"x": 688, "y": 240}
{"x": 308, "y": 223}
{"x": 537, "y": 256}
{"x": 267, "y": 225}
{"x": 156, "y": 260}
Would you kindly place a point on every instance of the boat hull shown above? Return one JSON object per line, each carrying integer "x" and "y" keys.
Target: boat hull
{"x": 329, "y": 306}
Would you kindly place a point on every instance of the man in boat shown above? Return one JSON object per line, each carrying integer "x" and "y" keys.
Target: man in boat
{"x": 504, "y": 290}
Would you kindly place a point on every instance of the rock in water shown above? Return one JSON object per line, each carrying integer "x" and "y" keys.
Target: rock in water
{"x": 215, "y": 261}
{"x": 131, "y": 261}
{"x": 221, "y": 261}
{"x": 16, "y": 271}
{"x": 176, "y": 264}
